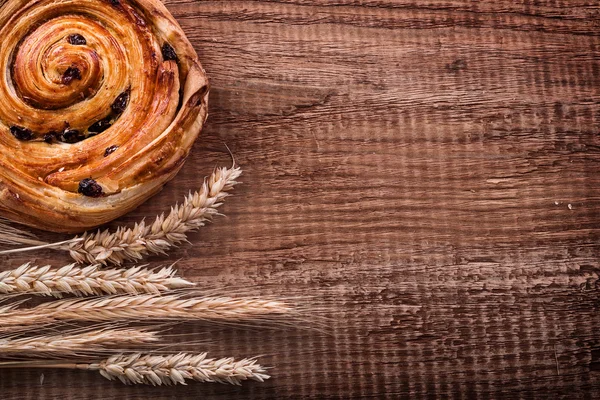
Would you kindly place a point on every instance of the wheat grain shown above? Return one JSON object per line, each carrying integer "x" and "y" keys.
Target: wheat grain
{"x": 89, "y": 280}
{"x": 140, "y": 307}
{"x": 130, "y": 244}
{"x": 70, "y": 344}
{"x": 8, "y": 308}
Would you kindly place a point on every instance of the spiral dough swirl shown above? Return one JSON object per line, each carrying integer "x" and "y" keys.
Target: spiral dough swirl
{"x": 100, "y": 103}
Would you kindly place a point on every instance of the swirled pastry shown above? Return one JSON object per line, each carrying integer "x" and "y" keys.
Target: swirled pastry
{"x": 100, "y": 103}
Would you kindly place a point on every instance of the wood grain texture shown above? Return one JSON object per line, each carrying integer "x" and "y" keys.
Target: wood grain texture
{"x": 425, "y": 171}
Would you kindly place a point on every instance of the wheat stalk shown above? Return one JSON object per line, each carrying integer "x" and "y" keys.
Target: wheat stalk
{"x": 159, "y": 370}
{"x": 170, "y": 307}
{"x": 70, "y": 344}
{"x": 11, "y": 235}
{"x": 130, "y": 244}
{"x": 89, "y": 280}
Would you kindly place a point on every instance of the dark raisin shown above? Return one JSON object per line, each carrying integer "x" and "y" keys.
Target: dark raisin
{"x": 168, "y": 52}
{"x": 100, "y": 126}
{"x": 77, "y": 40}
{"x": 70, "y": 75}
{"x": 71, "y": 136}
{"x": 49, "y": 137}
{"x": 110, "y": 150}
{"x": 120, "y": 104}
{"x": 21, "y": 133}
{"x": 89, "y": 187}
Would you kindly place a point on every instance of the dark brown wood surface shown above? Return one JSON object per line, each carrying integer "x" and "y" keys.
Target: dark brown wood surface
{"x": 424, "y": 174}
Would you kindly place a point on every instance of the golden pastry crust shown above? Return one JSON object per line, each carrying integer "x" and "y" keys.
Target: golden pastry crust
{"x": 100, "y": 103}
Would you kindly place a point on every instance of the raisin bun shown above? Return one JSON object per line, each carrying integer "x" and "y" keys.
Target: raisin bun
{"x": 100, "y": 103}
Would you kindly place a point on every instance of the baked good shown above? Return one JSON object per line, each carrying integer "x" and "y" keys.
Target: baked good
{"x": 100, "y": 103}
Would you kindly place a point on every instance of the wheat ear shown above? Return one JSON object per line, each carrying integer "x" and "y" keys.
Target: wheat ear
{"x": 159, "y": 370}
{"x": 130, "y": 244}
{"x": 144, "y": 307}
{"x": 91, "y": 280}
{"x": 71, "y": 344}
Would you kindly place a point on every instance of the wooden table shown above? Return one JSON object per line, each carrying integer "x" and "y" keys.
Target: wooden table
{"x": 420, "y": 176}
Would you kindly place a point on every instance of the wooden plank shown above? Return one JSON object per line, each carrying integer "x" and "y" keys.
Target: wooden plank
{"x": 424, "y": 172}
